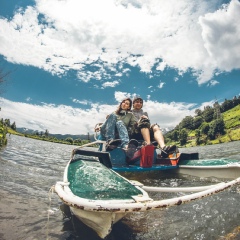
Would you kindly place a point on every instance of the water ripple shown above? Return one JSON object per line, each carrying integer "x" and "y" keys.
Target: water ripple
{"x": 30, "y": 167}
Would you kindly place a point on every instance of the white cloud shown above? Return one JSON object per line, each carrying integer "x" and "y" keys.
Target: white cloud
{"x": 41, "y": 117}
{"x": 213, "y": 83}
{"x": 161, "y": 66}
{"x": 161, "y": 84}
{"x": 110, "y": 84}
{"x": 184, "y": 34}
{"x": 81, "y": 121}
{"x": 119, "y": 96}
{"x": 221, "y": 35}
{"x": 205, "y": 104}
{"x": 84, "y": 102}
{"x": 167, "y": 114}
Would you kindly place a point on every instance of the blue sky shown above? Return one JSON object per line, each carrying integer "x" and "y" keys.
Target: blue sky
{"x": 72, "y": 61}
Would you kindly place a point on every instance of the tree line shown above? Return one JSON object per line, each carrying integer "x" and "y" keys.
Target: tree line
{"x": 40, "y": 135}
{"x": 207, "y": 123}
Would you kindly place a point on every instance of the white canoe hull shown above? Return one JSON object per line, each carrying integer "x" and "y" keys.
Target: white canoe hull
{"x": 98, "y": 215}
{"x": 101, "y": 215}
{"x": 100, "y": 222}
{"x": 230, "y": 171}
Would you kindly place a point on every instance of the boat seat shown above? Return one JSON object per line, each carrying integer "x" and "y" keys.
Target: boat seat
{"x": 189, "y": 156}
{"x": 103, "y": 157}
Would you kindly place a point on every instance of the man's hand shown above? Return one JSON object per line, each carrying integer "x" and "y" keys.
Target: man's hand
{"x": 142, "y": 117}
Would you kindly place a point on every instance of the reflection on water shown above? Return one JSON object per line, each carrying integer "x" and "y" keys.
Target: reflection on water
{"x": 29, "y": 168}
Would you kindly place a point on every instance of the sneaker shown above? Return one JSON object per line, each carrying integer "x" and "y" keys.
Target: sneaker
{"x": 169, "y": 149}
{"x": 112, "y": 144}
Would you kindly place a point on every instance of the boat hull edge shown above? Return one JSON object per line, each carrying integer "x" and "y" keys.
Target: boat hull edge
{"x": 100, "y": 222}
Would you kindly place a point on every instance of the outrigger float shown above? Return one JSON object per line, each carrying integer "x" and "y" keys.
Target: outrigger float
{"x": 99, "y": 196}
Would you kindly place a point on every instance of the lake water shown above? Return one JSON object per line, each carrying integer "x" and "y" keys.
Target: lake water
{"x": 29, "y": 210}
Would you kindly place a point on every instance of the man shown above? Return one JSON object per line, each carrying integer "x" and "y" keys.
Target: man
{"x": 145, "y": 131}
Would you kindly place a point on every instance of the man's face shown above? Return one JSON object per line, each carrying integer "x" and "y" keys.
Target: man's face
{"x": 138, "y": 104}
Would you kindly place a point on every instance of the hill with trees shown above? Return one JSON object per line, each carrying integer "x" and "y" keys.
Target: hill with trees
{"x": 214, "y": 124}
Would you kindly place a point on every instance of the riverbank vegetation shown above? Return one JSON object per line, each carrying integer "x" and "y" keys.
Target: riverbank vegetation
{"x": 50, "y": 138}
{"x": 7, "y": 127}
{"x": 213, "y": 125}
{"x": 3, "y": 134}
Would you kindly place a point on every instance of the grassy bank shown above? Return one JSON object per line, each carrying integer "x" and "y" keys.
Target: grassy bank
{"x": 48, "y": 138}
{"x": 231, "y": 120}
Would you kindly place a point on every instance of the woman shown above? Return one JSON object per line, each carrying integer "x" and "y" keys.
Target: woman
{"x": 119, "y": 124}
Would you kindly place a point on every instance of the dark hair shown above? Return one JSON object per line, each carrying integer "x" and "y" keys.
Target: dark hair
{"x": 137, "y": 98}
{"x": 119, "y": 106}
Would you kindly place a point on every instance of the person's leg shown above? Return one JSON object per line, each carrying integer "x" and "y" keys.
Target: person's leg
{"x": 108, "y": 128}
{"x": 146, "y": 135}
{"x": 158, "y": 136}
{"x": 129, "y": 146}
{"x": 123, "y": 133}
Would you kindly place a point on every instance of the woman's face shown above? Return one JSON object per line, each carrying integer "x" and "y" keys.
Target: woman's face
{"x": 125, "y": 105}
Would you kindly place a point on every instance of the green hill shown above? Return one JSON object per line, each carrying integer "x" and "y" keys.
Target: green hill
{"x": 231, "y": 119}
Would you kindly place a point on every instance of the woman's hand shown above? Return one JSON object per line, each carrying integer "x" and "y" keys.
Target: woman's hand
{"x": 98, "y": 127}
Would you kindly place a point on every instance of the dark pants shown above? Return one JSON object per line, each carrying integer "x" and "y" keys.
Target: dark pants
{"x": 138, "y": 136}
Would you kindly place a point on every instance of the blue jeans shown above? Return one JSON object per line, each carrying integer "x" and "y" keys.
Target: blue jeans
{"x": 109, "y": 128}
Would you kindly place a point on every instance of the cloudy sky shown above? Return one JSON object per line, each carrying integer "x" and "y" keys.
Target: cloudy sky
{"x": 71, "y": 62}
